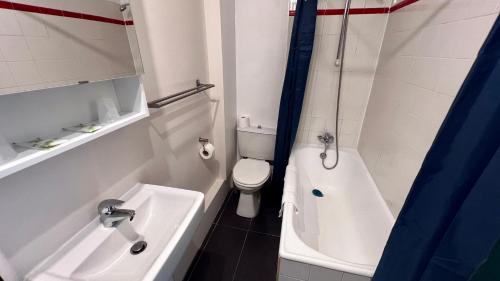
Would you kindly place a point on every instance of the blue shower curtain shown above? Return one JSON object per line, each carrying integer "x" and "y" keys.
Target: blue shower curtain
{"x": 450, "y": 221}
{"x": 292, "y": 95}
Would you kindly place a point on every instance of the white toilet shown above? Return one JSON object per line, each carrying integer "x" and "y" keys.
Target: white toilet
{"x": 255, "y": 145}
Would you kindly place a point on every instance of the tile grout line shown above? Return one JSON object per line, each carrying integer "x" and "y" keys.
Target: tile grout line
{"x": 224, "y": 205}
{"x": 234, "y": 227}
{"x": 210, "y": 234}
{"x": 264, "y": 233}
{"x": 239, "y": 257}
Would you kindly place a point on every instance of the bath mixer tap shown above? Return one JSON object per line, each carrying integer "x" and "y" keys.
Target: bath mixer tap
{"x": 326, "y": 138}
{"x": 110, "y": 215}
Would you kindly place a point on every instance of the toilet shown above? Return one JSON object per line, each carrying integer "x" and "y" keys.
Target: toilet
{"x": 255, "y": 145}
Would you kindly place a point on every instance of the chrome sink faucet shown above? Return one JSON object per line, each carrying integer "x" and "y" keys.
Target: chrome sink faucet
{"x": 110, "y": 215}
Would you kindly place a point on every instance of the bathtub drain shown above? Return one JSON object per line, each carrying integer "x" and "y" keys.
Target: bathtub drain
{"x": 317, "y": 193}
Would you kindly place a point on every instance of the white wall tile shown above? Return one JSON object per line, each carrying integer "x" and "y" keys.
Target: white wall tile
{"x": 464, "y": 9}
{"x": 425, "y": 72}
{"x": 318, "y": 124}
{"x": 335, "y": 4}
{"x": 367, "y": 24}
{"x": 352, "y": 112}
{"x": 56, "y": 70}
{"x": 431, "y": 41}
{"x": 356, "y": 88}
{"x": 31, "y": 24}
{"x": 377, "y": 3}
{"x": 348, "y": 140}
{"x": 8, "y": 23}
{"x": 6, "y": 78}
{"x": 294, "y": 269}
{"x": 14, "y": 48}
{"x": 427, "y": 51}
{"x": 332, "y": 25}
{"x": 87, "y": 50}
{"x": 362, "y": 50}
{"x": 350, "y": 127}
{"x": 313, "y": 136}
{"x": 324, "y": 274}
{"x": 44, "y": 48}
{"x": 451, "y": 75}
{"x": 25, "y": 72}
{"x": 475, "y": 30}
{"x": 397, "y": 66}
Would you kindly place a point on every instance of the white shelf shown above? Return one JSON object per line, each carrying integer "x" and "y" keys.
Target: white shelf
{"x": 29, "y": 157}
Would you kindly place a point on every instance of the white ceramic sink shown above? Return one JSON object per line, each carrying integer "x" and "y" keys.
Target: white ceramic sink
{"x": 166, "y": 219}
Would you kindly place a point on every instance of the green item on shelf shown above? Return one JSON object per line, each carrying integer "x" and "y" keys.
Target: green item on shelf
{"x": 41, "y": 144}
{"x": 84, "y": 128}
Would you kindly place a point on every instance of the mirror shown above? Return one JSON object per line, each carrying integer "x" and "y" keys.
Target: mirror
{"x": 52, "y": 43}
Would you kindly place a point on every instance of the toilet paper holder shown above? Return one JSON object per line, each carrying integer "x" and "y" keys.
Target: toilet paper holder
{"x": 203, "y": 142}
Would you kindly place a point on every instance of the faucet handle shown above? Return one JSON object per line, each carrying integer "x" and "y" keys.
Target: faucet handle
{"x": 326, "y": 138}
{"x": 329, "y": 137}
{"x": 108, "y": 206}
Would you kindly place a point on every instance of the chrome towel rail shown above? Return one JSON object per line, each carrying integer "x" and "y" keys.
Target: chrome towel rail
{"x": 180, "y": 95}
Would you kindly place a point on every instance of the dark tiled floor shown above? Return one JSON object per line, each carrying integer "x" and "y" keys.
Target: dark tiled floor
{"x": 260, "y": 249}
{"x": 238, "y": 248}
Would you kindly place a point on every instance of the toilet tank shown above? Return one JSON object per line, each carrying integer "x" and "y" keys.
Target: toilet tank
{"x": 256, "y": 143}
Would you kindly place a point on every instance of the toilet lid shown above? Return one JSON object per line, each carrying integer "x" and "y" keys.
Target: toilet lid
{"x": 251, "y": 172}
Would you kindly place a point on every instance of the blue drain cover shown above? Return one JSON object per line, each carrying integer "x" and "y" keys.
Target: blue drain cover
{"x": 317, "y": 193}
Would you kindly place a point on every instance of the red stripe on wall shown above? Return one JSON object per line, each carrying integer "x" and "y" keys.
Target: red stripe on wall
{"x": 362, "y": 11}
{"x": 69, "y": 14}
{"x": 5, "y": 5}
{"x": 49, "y": 11}
{"x": 353, "y": 11}
{"x": 61, "y": 13}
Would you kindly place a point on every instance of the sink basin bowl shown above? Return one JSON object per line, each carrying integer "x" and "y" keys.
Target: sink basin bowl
{"x": 166, "y": 218}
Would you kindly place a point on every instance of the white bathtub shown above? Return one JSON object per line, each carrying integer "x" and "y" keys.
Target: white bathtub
{"x": 346, "y": 230}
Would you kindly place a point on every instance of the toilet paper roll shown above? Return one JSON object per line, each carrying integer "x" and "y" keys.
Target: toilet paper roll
{"x": 244, "y": 121}
{"x": 207, "y": 152}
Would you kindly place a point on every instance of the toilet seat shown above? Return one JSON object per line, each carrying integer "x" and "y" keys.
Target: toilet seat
{"x": 251, "y": 173}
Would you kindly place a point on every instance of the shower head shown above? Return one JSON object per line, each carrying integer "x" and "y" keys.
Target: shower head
{"x": 123, "y": 7}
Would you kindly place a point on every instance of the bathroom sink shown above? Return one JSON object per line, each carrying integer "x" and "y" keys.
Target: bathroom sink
{"x": 165, "y": 218}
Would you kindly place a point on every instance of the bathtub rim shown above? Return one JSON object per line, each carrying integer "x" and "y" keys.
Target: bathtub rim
{"x": 293, "y": 248}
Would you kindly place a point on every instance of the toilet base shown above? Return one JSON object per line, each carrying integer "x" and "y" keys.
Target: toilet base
{"x": 248, "y": 204}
